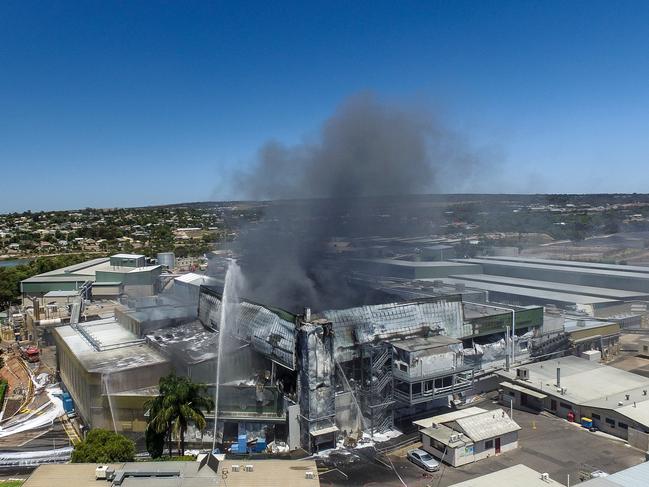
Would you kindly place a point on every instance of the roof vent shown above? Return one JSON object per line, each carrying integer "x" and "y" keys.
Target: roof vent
{"x": 627, "y": 396}
{"x": 644, "y": 392}
{"x": 620, "y": 403}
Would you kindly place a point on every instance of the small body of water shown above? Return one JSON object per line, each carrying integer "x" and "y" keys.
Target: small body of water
{"x": 13, "y": 262}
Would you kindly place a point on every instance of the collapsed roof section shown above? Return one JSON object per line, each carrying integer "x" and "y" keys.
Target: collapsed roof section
{"x": 366, "y": 324}
{"x": 269, "y": 331}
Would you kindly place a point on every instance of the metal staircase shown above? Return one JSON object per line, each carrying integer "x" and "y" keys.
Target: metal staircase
{"x": 377, "y": 391}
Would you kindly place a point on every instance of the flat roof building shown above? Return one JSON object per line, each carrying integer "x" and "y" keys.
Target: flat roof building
{"x": 410, "y": 269}
{"x": 113, "y": 275}
{"x": 616, "y": 401}
{"x": 208, "y": 471}
{"x": 594, "y": 276}
{"x": 516, "y": 476}
{"x": 109, "y": 372}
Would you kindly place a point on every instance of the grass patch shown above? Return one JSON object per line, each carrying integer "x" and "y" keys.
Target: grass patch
{"x": 3, "y": 390}
{"x": 166, "y": 458}
{"x": 11, "y": 483}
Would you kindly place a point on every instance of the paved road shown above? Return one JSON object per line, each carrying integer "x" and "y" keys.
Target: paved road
{"x": 546, "y": 444}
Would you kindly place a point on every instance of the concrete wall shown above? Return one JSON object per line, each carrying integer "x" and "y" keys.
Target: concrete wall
{"x": 638, "y": 439}
{"x": 452, "y": 456}
{"x": 471, "y": 452}
{"x": 508, "y": 442}
{"x": 88, "y": 391}
{"x": 615, "y": 425}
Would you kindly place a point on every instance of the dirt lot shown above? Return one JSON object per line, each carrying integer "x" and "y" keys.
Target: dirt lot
{"x": 546, "y": 444}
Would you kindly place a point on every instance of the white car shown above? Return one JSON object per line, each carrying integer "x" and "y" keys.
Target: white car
{"x": 424, "y": 460}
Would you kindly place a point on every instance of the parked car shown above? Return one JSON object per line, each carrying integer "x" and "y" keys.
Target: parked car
{"x": 424, "y": 460}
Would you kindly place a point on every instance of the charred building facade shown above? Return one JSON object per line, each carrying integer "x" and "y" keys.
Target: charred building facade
{"x": 306, "y": 378}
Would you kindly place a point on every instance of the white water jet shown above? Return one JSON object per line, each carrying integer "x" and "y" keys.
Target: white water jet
{"x": 229, "y": 313}
{"x": 106, "y": 379}
{"x": 359, "y": 411}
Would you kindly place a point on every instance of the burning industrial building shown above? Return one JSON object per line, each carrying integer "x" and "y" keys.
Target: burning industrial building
{"x": 304, "y": 378}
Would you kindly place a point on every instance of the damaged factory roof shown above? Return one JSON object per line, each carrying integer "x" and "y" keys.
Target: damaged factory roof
{"x": 417, "y": 344}
{"x": 191, "y": 342}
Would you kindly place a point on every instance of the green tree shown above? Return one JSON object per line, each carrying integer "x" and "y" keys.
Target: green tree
{"x": 103, "y": 446}
{"x": 180, "y": 402}
{"x": 155, "y": 442}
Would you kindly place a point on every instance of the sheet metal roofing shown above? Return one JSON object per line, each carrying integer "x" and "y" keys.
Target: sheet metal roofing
{"x": 637, "y": 476}
{"x": 413, "y": 263}
{"x": 560, "y": 268}
{"x": 444, "y": 434}
{"x": 599, "y": 292}
{"x": 487, "y": 425}
{"x": 532, "y": 293}
{"x": 366, "y": 323}
{"x": 588, "y": 383}
{"x": 446, "y": 417}
{"x": 572, "y": 325}
{"x": 574, "y": 263}
{"x": 516, "y": 476}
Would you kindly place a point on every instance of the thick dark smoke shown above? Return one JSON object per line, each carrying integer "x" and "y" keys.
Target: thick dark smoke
{"x": 367, "y": 157}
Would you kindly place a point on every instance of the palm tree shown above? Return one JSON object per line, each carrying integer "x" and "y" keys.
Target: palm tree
{"x": 180, "y": 402}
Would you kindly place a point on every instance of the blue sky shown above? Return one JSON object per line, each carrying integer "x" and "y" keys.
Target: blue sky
{"x": 134, "y": 103}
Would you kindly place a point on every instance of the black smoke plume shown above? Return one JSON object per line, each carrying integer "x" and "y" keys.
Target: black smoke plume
{"x": 350, "y": 181}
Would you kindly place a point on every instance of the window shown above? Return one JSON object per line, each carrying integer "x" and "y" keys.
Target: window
{"x": 438, "y": 383}
{"x": 402, "y": 387}
{"x": 610, "y": 422}
{"x": 596, "y": 416}
{"x": 448, "y": 381}
{"x": 489, "y": 444}
{"x": 403, "y": 367}
{"x": 438, "y": 445}
{"x": 416, "y": 388}
{"x": 624, "y": 426}
{"x": 565, "y": 406}
{"x": 553, "y": 405}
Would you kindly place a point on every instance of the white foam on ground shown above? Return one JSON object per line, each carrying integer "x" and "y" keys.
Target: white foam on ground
{"x": 43, "y": 416}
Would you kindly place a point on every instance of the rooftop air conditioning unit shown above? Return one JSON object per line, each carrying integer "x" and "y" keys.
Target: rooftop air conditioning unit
{"x": 100, "y": 472}
{"x": 545, "y": 477}
{"x": 234, "y": 468}
{"x": 522, "y": 373}
{"x": 309, "y": 475}
{"x": 248, "y": 468}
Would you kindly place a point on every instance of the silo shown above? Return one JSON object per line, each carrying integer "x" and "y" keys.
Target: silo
{"x": 167, "y": 259}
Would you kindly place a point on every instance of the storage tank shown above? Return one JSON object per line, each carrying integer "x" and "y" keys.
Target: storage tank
{"x": 167, "y": 259}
